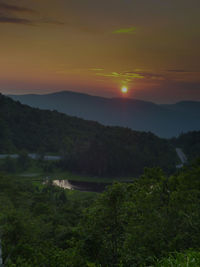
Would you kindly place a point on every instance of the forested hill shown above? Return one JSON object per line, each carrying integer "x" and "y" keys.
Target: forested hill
{"x": 86, "y": 146}
{"x": 190, "y": 143}
{"x": 163, "y": 120}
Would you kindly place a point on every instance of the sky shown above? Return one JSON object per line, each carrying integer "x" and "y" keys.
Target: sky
{"x": 99, "y": 46}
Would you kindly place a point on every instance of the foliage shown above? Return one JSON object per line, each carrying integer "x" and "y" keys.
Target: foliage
{"x": 86, "y": 147}
{"x": 188, "y": 259}
{"x": 190, "y": 143}
{"x": 38, "y": 225}
{"x": 131, "y": 224}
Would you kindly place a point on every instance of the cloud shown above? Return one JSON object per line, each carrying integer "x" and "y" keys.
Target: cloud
{"x": 8, "y": 15}
{"x": 132, "y": 75}
{"x": 130, "y": 30}
{"x": 15, "y": 20}
{"x": 180, "y": 71}
{"x": 124, "y": 77}
{"x": 121, "y": 75}
{"x": 96, "y": 69}
{"x": 50, "y": 21}
{"x": 29, "y": 22}
{"x": 128, "y": 77}
{"x": 14, "y": 8}
{"x": 177, "y": 70}
{"x": 147, "y": 75}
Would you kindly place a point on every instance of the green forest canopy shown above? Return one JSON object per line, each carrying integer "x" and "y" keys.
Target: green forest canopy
{"x": 138, "y": 224}
{"x": 86, "y": 146}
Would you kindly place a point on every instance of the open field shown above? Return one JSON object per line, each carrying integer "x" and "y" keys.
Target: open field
{"x": 58, "y": 175}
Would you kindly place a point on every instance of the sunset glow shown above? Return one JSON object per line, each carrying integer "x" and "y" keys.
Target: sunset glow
{"x": 93, "y": 46}
{"x": 124, "y": 90}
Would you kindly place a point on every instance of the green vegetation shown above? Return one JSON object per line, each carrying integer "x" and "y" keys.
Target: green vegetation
{"x": 188, "y": 259}
{"x": 38, "y": 224}
{"x": 38, "y": 170}
{"x": 190, "y": 143}
{"x": 87, "y": 147}
{"x": 151, "y": 222}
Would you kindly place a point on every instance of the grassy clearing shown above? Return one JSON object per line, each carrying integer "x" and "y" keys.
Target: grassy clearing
{"x": 35, "y": 172}
{"x": 60, "y": 175}
{"x": 75, "y": 177}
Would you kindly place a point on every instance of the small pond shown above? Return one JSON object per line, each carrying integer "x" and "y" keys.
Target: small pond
{"x": 81, "y": 186}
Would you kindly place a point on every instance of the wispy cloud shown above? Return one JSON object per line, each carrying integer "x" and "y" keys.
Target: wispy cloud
{"x": 179, "y": 70}
{"x": 127, "y": 77}
{"x": 121, "y": 75}
{"x": 147, "y": 75}
{"x": 29, "y": 22}
{"x": 14, "y": 14}
{"x": 14, "y": 20}
{"x": 50, "y": 21}
{"x": 130, "y": 30}
{"x": 14, "y": 8}
{"x": 96, "y": 69}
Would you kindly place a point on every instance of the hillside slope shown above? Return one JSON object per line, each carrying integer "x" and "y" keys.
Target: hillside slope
{"x": 190, "y": 143}
{"x": 163, "y": 120}
{"x": 86, "y": 146}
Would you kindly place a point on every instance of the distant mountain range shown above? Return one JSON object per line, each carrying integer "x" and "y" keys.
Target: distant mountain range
{"x": 163, "y": 120}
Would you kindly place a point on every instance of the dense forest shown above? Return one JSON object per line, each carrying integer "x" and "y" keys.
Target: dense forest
{"x": 163, "y": 120}
{"x": 190, "y": 143}
{"x": 86, "y": 147}
{"x": 151, "y": 222}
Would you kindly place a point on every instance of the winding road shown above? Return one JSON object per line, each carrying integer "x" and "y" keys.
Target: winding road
{"x": 32, "y": 156}
{"x": 1, "y": 258}
{"x": 182, "y": 157}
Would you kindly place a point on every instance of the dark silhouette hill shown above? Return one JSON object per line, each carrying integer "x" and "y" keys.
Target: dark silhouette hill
{"x": 190, "y": 143}
{"x": 163, "y": 120}
{"x": 86, "y": 146}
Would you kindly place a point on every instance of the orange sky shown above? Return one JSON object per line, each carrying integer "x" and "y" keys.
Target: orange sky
{"x": 96, "y": 47}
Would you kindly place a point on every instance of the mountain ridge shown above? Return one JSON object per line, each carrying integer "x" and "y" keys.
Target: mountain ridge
{"x": 86, "y": 94}
{"x": 164, "y": 120}
{"x": 86, "y": 146}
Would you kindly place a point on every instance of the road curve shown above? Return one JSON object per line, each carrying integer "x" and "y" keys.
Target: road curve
{"x": 181, "y": 156}
{"x": 1, "y": 257}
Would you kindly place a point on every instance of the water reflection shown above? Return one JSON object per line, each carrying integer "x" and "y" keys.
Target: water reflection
{"x": 81, "y": 186}
{"x": 64, "y": 184}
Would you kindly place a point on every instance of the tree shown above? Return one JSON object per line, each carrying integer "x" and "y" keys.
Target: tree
{"x": 24, "y": 161}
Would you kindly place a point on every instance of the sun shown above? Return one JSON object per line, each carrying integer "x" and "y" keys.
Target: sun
{"x": 124, "y": 90}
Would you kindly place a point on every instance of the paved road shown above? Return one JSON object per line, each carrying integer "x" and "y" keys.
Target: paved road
{"x": 32, "y": 156}
{"x": 1, "y": 258}
{"x": 13, "y": 156}
{"x": 181, "y": 156}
